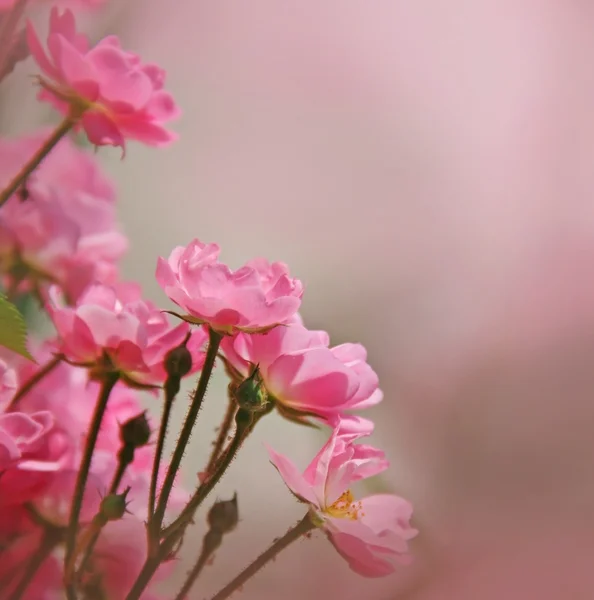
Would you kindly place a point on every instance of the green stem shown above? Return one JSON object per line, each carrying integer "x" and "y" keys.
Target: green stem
{"x": 125, "y": 459}
{"x": 212, "y": 540}
{"x": 148, "y": 570}
{"x": 109, "y": 381}
{"x": 304, "y": 526}
{"x": 33, "y": 381}
{"x": 222, "y": 436}
{"x": 244, "y": 422}
{"x": 184, "y": 436}
{"x": 170, "y": 394}
{"x": 173, "y": 532}
{"x": 50, "y": 540}
{"x": 61, "y": 130}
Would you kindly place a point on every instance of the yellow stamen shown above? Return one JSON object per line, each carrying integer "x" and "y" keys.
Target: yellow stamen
{"x": 345, "y": 507}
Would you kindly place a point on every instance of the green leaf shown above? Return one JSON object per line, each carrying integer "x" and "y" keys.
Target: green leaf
{"x": 13, "y": 331}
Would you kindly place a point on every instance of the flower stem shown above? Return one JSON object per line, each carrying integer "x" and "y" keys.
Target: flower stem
{"x": 304, "y": 526}
{"x": 222, "y": 435}
{"x": 174, "y": 532}
{"x": 148, "y": 570}
{"x": 184, "y": 436}
{"x": 244, "y": 422}
{"x": 51, "y": 538}
{"x": 109, "y": 381}
{"x": 212, "y": 540}
{"x": 33, "y": 381}
{"x": 170, "y": 394}
{"x": 125, "y": 459}
{"x": 61, "y": 130}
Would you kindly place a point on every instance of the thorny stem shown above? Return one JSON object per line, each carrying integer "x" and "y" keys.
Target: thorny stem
{"x": 148, "y": 570}
{"x": 244, "y": 421}
{"x": 109, "y": 381}
{"x": 170, "y": 394}
{"x": 33, "y": 381}
{"x": 61, "y": 130}
{"x": 124, "y": 460}
{"x": 304, "y": 526}
{"x": 184, "y": 436}
{"x": 173, "y": 532}
{"x": 212, "y": 540}
{"x": 222, "y": 435}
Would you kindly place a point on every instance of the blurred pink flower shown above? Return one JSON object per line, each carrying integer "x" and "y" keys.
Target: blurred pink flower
{"x": 371, "y": 534}
{"x": 62, "y": 228}
{"x": 28, "y": 459}
{"x": 119, "y": 557}
{"x": 257, "y": 296}
{"x": 70, "y": 395}
{"x": 20, "y": 538}
{"x": 8, "y": 382}
{"x": 21, "y": 436}
{"x": 132, "y": 336}
{"x": 121, "y": 97}
{"x": 303, "y": 373}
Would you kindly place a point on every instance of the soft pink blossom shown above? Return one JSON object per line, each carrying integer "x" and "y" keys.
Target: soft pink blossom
{"x": 258, "y": 296}
{"x": 119, "y": 556}
{"x": 28, "y": 460}
{"x": 64, "y": 229}
{"x": 20, "y": 538}
{"x": 69, "y": 394}
{"x": 134, "y": 336}
{"x": 8, "y": 382}
{"x": 302, "y": 372}
{"x": 122, "y": 98}
{"x": 371, "y": 534}
{"x": 21, "y": 437}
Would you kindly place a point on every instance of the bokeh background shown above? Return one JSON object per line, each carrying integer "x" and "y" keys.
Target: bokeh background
{"x": 426, "y": 167}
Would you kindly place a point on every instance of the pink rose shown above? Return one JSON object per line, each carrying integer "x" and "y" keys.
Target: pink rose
{"x": 371, "y": 534}
{"x": 133, "y": 336}
{"x": 120, "y": 97}
{"x": 258, "y": 296}
{"x": 302, "y": 373}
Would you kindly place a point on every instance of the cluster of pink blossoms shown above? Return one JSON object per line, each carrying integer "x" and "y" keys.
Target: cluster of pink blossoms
{"x": 87, "y": 509}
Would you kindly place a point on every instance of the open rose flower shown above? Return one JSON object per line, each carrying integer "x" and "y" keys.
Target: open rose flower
{"x": 302, "y": 374}
{"x": 118, "y": 96}
{"x": 371, "y": 534}
{"x": 131, "y": 337}
{"x": 62, "y": 228}
{"x": 258, "y": 296}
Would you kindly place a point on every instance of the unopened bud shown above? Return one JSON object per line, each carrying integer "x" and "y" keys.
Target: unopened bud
{"x": 178, "y": 361}
{"x": 251, "y": 394}
{"x": 224, "y": 515}
{"x": 136, "y": 432}
{"x": 113, "y": 506}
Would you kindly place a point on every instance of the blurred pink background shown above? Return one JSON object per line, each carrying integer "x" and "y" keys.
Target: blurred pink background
{"x": 427, "y": 169}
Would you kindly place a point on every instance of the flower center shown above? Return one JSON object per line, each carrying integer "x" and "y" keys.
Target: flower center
{"x": 345, "y": 507}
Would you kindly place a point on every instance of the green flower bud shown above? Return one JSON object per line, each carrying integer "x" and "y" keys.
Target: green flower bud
{"x": 113, "y": 506}
{"x": 250, "y": 394}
